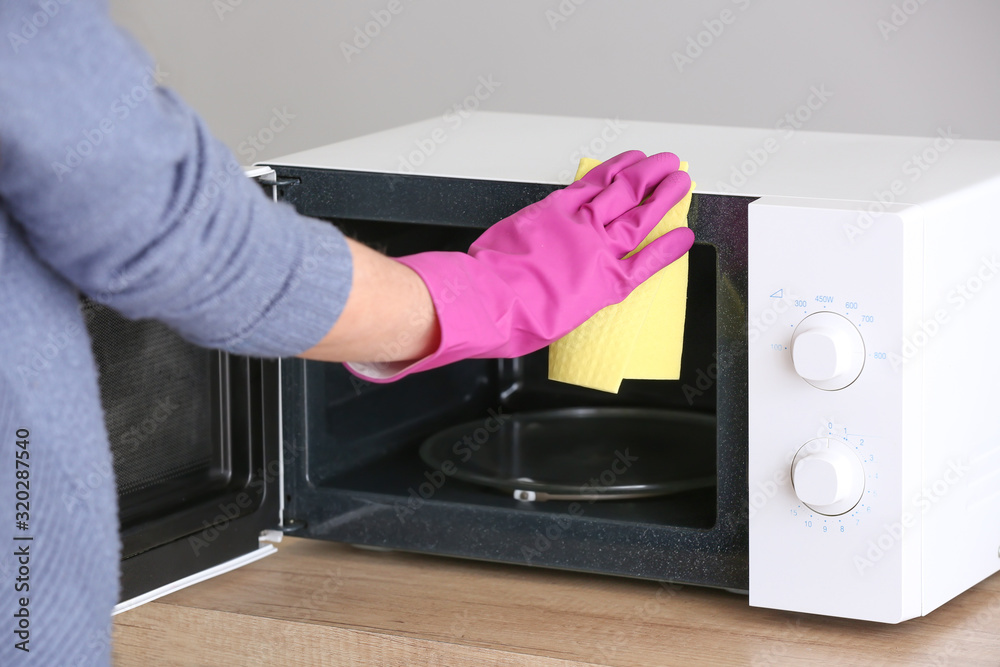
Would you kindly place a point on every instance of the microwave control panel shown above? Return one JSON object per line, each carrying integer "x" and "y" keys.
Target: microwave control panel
{"x": 832, "y": 448}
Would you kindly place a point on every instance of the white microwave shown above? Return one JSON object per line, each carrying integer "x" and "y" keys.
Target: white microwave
{"x": 836, "y": 388}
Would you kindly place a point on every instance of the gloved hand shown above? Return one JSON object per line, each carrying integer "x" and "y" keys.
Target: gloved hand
{"x": 535, "y": 276}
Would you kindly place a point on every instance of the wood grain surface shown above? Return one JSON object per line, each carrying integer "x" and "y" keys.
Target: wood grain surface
{"x": 318, "y": 603}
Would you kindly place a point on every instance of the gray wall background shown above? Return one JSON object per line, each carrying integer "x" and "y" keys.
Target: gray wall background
{"x": 893, "y": 67}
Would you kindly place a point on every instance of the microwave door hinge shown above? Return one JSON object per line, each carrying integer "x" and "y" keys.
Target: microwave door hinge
{"x": 271, "y": 535}
{"x": 286, "y": 525}
{"x": 291, "y": 525}
{"x": 269, "y": 180}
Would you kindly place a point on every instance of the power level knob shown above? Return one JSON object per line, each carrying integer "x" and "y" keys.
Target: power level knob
{"x": 828, "y": 351}
{"x": 828, "y": 476}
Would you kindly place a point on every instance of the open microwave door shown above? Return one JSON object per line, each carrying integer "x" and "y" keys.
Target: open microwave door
{"x": 196, "y": 436}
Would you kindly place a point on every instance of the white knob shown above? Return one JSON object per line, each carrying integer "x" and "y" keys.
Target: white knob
{"x": 828, "y": 351}
{"x": 822, "y": 479}
{"x": 828, "y": 476}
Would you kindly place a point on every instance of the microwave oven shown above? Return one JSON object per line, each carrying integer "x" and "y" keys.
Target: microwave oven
{"x": 829, "y": 447}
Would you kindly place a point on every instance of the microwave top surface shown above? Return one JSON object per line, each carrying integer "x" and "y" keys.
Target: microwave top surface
{"x": 780, "y": 161}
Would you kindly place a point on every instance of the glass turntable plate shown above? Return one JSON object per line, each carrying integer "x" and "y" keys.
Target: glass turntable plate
{"x": 580, "y": 453}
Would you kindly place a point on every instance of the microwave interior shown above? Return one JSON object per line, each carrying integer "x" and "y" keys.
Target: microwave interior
{"x": 649, "y": 482}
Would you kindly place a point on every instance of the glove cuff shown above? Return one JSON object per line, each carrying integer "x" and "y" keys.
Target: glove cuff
{"x": 456, "y": 283}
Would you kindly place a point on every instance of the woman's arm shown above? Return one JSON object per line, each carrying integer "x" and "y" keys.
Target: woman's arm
{"x": 388, "y": 317}
{"x": 526, "y": 281}
{"x": 120, "y": 188}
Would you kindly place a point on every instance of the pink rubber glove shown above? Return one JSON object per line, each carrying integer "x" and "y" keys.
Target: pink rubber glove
{"x": 535, "y": 276}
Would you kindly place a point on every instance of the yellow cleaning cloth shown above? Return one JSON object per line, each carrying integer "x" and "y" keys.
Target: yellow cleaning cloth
{"x": 640, "y": 338}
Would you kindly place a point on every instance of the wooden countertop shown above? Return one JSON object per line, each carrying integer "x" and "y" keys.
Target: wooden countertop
{"x": 319, "y": 603}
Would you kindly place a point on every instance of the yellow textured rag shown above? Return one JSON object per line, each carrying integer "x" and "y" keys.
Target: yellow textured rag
{"x": 642, "y": 337}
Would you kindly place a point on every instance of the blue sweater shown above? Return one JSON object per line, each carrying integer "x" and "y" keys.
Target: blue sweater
{"x": 111, "y": 186}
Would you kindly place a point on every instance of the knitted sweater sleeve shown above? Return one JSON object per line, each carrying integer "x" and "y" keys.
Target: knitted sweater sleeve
{"x": 122, "y": 190}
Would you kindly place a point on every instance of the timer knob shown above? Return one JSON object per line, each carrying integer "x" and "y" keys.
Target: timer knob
{"x": 828, "y": 351}
{"x": 828, "y": 476}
